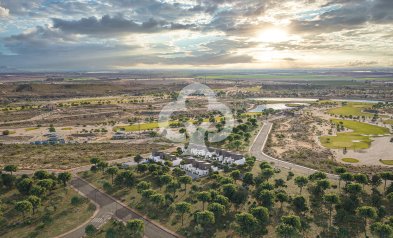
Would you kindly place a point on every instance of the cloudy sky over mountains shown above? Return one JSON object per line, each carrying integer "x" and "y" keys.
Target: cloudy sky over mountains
{"x": 235, "y": 34}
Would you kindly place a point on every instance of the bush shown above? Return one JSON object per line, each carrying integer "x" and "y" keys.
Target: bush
{"x": 6, "y": 133}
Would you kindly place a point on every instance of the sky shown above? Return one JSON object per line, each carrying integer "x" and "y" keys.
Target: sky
{"x": 96, "y": 35}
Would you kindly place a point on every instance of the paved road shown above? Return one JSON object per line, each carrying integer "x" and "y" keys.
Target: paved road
{"x": 109, "y": 208}
{"x": 257, "y": 150}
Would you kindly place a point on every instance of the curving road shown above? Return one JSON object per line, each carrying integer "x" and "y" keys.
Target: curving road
{"x": 259, "y": 143}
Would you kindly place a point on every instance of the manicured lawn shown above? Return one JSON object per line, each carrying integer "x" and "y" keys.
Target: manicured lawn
{"x": 363, "y": 128}
{"x": 350, "y": 160}
{"x": 352, "y": 109}
{"x": 358, "y": 139}
{"x": 346, "y": 140}
{"x": 387, "y": 162}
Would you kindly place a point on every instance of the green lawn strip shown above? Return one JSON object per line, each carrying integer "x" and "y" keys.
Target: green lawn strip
{"x": 387, "y": 162}
{"x": 350, "y": 160}
{"x": 352, "y": 109}
{"x": 31, "y": 129}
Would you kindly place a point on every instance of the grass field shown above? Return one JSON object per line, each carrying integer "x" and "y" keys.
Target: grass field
{"x": 138, "y": 127}
{"x": 350, "y": 160}
{"x": 346, "y": 140}
{"x": 362, "y": 128}
{"x": 31, "y": 129}
{"x": 352, "y": 109}
{"x": 387, "y": 162}
{"x": 390, "y": 122}
{"x": 358, "y": 139}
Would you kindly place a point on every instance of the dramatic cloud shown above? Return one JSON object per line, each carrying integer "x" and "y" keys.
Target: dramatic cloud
{"x": 116, "y": 25}
{"x": 4, "y": 12}
{"x": 113, "y": 34}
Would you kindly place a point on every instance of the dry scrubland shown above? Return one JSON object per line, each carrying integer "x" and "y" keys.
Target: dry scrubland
{"x": 69, "y": 155}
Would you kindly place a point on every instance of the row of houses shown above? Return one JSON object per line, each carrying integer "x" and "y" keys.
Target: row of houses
{"x": 198, "y": 167}
{"x": 222, "y": 156}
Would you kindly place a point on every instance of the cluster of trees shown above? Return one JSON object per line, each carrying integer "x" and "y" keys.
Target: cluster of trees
{"x": 241, "y": 134}
{"x": 134, "y": 228}
{"x": 32, "y": 189}
{"x": 248, "y": 203}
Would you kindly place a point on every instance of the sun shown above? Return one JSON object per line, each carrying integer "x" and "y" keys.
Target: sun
{"x": 273, "y": 35}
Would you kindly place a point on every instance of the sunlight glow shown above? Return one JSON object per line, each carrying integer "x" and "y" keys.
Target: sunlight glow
{"x": 273, "y": 35}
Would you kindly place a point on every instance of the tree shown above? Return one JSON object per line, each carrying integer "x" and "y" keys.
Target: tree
{"x": 185, "y": 180}
{"x": 135, "y": 228}
{"x": 158, "y": 199}
{"x": 182, "y": 208}
{"x": 366, "y": 212}
{"x": 112, "y": 171}
{"x": 172, "y": 187}
{"x": 203, "y": 197}
{"x": 361, "y": 178}
{"x": 204, "y": 218}
{"x": 289, "y": 226}
{"x": 339, "y": 171}
{"x": 64, "y": 178}
{"x": 10, "y": 168}
{"x": 354, "y": 189}
{"x": 317, "y": 176}
{"x": 301, "y": 181}
{"x": 346, "y": 177}
{"x": 266, "y": 198}
{"x": 125, "y": 178}
{"x": 177, "y": 172}
{"x": 261, "y": 214}
{"x": 376, "y": 180}
{"x": 94, "y": 160}
{"x": 142, "y": 168}
{"x": 282, "y": 197}
{"x": 143, "y": 185}
{"x": 90, "y": 230}
{"x": 248, "y": 179}
{"x": 386, "y": 176}
{"x": 229, "y": 190}
{"x": 164, "y": 179}
{"x": 247, "y": 224}
{"x": 41, "y": 174}
{"x": 381, "y": 230}
{"x": 235, "y": 174}
{"x": 48, "y": 184}
{"x": 330, "y": 200}
{"x": 35, "y": 202}
{"x": 24, "y": 186}
{"x": 217, "y": 209}
{"x": 299, "y": 204}
{"x": 267, "y": 173}
{"x": 24, "y": 207}
{"x": 138, "y": 158}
